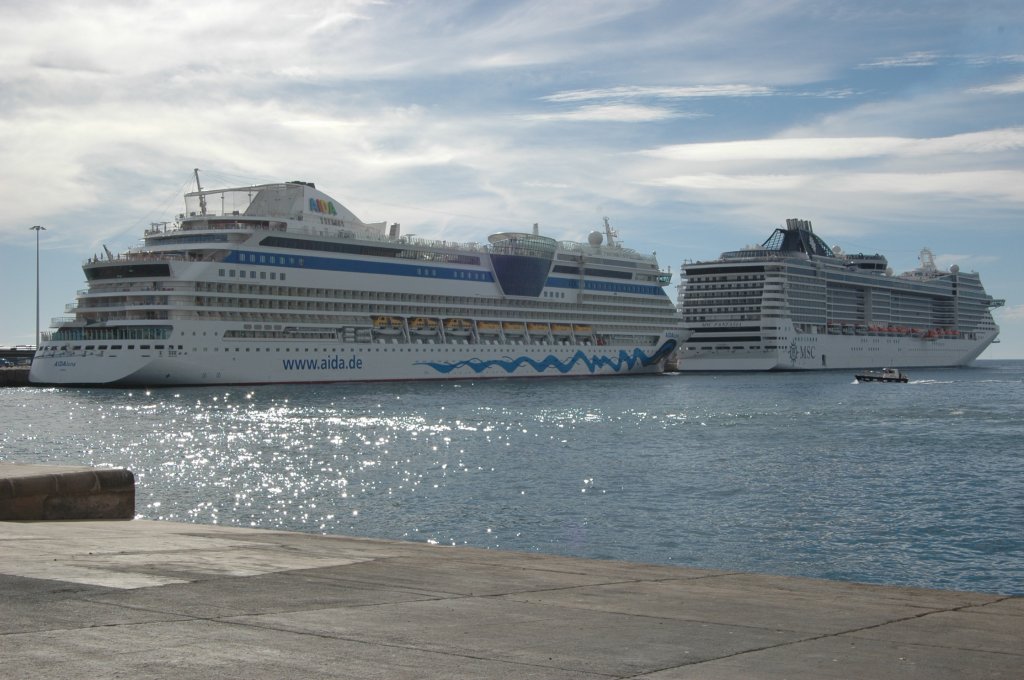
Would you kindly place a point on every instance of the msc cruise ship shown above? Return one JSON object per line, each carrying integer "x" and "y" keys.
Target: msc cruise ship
{"x": 281, "y": 283}
{"x": 795, "y": 304}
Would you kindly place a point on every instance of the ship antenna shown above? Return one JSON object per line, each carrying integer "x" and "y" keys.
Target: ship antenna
{"x": 609, "y": 232}
{"x": 927, "y": 260}
{"x": 199, "y": 188}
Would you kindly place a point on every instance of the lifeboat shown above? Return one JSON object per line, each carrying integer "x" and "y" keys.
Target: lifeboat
{"x": 487, "y": 326}
{"x": 561, "y": 328}
{"x": 423, "y": 326}
{"x": 387, "y": 325}
{"x": 513, "y": 327}
{"x": 457, "y": 326}
{"x": 535, "y": 328}
{"x": 581, "y": 328}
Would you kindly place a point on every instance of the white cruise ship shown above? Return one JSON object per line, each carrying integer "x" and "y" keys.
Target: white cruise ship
{"x": 795, "y": 304}
{"x": 280, "y": 283}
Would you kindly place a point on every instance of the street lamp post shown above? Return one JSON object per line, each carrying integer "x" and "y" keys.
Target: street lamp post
{"x": 37, "y": 229}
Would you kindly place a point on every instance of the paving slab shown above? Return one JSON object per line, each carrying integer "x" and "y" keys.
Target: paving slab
{"x": 981, "y": 629}
{"x": 792, "y": 604}
{"x": 842, "y": 658}
{"x": 44, "y": 604}
{"x": 212, "y": 650}
{"x": 603, "y": 643}
{"x": 148, "y": 599}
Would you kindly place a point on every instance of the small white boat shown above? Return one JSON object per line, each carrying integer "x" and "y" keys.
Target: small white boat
{"x": 885, "y": 375}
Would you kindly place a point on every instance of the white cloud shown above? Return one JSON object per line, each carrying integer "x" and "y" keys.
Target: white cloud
{"x": 665, "y": 92}
{"x": 780, "y": 149}
{"x": 1010, "y": 313}
{"x": 987, "y": 59}
{"x": 966, "y": 261}
{"x": 622, "y": 113}
{"x": 1014, "y": 86}
{"x": 912, "y": 59}
{"x": 1004, "y": 184}
{"x": 839, "y": 148}
{"x": 712, "y": 181}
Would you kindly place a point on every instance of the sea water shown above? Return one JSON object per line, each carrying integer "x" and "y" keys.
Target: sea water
{"x": 808, "y": 474}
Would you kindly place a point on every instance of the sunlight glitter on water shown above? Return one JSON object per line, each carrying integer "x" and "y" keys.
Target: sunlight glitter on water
{"x": 749, "y": 472}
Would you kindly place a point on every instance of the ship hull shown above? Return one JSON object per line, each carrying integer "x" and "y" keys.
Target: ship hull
{"x": 344, "y": 362}
{"x": 824, "y": 352}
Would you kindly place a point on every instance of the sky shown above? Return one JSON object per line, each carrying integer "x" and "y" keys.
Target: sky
{"x": 695, "y": 127}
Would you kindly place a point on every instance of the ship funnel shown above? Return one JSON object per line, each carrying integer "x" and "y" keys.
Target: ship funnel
{"x": 395, "y": 231}
{"x": 522, "y": 262}
{"x": 794, "y": 223}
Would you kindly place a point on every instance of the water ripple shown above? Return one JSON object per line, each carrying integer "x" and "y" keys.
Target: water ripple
{"x": 805, "y": 474}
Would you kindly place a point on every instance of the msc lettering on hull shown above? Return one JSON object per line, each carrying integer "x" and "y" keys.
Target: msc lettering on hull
{"x": 798, "y": 352}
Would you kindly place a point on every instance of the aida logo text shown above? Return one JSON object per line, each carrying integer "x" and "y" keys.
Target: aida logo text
{"x": 321, "y": 206}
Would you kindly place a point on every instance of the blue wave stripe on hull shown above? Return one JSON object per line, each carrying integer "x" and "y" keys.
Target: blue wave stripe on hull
{"x": 625, "y": 359}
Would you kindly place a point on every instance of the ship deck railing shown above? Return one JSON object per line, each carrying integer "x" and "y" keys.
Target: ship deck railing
{"x": 408, "y": 240}
{"x": 139, "y": 257}
{"x": 753, "y": 253}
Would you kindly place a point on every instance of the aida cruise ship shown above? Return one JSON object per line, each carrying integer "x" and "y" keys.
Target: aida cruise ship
{"x": 280, "y": 283}
{"x": 793, "y": 303}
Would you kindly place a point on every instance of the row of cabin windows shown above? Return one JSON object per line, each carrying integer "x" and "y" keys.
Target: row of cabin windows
{"x": 240, "y": 273}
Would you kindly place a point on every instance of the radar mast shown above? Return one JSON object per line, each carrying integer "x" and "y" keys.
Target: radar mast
{"x": 610, "y": 233}
{"x": 199, "y": 188}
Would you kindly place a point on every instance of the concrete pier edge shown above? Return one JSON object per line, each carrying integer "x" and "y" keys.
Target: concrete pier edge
{"x": 14, "y": 376}
{"x": 42, "y": 492}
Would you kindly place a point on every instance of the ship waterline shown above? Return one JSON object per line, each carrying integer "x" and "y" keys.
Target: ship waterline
{"x": 281, "y": 283}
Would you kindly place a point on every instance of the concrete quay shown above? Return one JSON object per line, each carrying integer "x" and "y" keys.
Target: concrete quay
{"x": 14, "y": 376}
{"x": 149, "y": 599}
{"x": 33, "y": 492}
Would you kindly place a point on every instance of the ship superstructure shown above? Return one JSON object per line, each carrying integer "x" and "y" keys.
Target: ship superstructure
{"x": 793, "y": 303}
{"x": 282, "y": 283}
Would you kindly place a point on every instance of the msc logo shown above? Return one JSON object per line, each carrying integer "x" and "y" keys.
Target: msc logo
{"x": 321, "y": 206}
{"x": 800, "y": 351}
